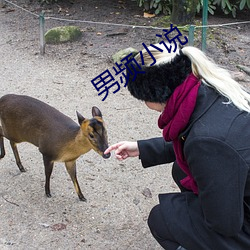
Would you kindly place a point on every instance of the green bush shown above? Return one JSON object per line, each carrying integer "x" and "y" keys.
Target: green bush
{"x": 211, "y": 7}
{"x": 232, "y": 6}
{"x": 156, "y": 6}
{"x": 165, "y": 6}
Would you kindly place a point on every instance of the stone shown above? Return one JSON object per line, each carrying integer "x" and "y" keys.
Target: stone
{"x": 147, "y": 193}
{"x": 239, "y": 76}
{"x": 63, "y": 34}
{"x": 117, "y": 57}
{"x": 2, "y": 3}
{"x": 244, "y": 68}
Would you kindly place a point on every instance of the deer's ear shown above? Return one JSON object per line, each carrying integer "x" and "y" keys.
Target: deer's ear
{"x": 80, "y": 118}
{"x": 96, "y": 112}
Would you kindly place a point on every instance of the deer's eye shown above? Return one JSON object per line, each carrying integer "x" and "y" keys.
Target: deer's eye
{"x": 91, "y": 136}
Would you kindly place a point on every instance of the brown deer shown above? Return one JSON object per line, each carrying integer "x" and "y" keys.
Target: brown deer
{"x": 59, "y": 138}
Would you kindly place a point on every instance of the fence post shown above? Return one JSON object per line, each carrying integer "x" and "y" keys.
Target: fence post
{"x": 204, "y": 24}
{"x": 42, "y": 32}
{"x": 191, "y": 35}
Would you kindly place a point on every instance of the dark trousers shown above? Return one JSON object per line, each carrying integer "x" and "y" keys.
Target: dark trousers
{"x": 156, "y": 221}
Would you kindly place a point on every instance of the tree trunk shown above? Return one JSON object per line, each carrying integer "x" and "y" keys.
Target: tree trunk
{"x": 183, "y": 11}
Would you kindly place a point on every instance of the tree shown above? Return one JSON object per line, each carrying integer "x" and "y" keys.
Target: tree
{"x": 183, "y": 11}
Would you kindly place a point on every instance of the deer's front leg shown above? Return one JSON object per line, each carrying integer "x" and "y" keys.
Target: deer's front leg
{"x": 48, "y": 165}
{"x": 71, "y": 168}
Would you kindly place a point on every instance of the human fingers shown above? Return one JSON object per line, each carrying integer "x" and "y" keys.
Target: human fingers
{"x": 122, "y": 155}
{"x": 113, "y": 147}
{"x": 128, "y": 149}
{"x": 122, "y": 148}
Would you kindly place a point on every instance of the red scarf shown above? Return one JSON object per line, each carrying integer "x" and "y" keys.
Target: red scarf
{"x": 174, "y": 119}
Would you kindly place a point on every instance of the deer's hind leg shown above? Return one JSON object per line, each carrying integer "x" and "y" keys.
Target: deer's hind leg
{"x": 1, "y": 144}
{"x": 71, "y": 168}
{"x": 18, "y": 161}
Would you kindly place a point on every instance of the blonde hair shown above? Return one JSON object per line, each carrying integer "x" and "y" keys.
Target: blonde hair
{"x": 205, "y": 69}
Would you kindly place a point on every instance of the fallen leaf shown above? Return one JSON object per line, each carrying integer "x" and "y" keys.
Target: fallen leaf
{"x": 147, "y": 15}
{"x": 58, "y": 227}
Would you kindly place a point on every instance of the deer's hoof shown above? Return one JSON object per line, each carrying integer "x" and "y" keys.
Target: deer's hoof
{"x": 82, "y": 198}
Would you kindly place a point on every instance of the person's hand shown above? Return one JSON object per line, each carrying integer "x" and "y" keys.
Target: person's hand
{"x": 124, "y": 149}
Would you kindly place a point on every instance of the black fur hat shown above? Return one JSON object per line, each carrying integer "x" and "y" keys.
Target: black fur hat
{"x": 159, "y": 81}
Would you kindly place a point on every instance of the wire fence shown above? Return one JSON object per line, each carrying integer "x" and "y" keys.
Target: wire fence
{"x": 42, "y": 19}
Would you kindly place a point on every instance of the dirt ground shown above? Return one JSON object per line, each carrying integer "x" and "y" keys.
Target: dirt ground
{"x": 119, "y": 195}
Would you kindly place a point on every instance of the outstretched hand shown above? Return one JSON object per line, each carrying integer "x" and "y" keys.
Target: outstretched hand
{"x": 124, "y": 150}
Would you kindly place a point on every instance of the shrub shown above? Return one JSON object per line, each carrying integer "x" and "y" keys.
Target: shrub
{"x": 227, "y": 6}
{"x": 157, "y": 6}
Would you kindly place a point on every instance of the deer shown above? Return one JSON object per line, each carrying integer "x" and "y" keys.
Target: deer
{"x": 58, "y": 138}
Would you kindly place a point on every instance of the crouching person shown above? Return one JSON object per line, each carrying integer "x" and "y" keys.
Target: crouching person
{"x": 205, "y": 120}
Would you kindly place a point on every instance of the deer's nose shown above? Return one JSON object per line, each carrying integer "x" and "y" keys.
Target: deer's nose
{"x": 106, "y": 156}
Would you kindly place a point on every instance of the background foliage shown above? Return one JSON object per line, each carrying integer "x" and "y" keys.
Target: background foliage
{"x": 227, "y": 6}
{"x": 157, "y": 6}
{"x": 165, "y": 6}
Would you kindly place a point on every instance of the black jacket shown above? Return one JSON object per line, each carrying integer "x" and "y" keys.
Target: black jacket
{"x": 216, "y": 145}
